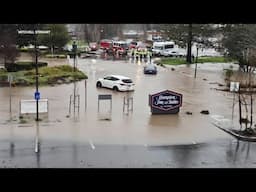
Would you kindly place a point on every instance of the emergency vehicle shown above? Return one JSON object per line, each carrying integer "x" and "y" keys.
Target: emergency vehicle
{"x": 106, "y": 44}
{"x": 121, "y": 47}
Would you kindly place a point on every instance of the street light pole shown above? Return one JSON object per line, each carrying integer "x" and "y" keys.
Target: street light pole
{"x": 196, "y": 60}
{"x": 37, "y": 119}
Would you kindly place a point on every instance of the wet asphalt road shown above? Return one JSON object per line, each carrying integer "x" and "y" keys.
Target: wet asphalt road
{"x": 220, "y": 154}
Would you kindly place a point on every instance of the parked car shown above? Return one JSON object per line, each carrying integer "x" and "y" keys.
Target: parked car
{"x": 173, "y": 53}
{"x": 116, "y": 82}
{"x": 150, "y": 68}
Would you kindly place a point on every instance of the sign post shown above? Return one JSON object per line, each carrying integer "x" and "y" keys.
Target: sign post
{"x": 165, "y": 102}
{"x": 234, "y": 87}
{"x": 105, "y": 97}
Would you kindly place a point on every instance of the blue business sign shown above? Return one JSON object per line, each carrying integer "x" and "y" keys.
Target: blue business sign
{"x": 37, "y": 95}
{"x": 165, "y": 102}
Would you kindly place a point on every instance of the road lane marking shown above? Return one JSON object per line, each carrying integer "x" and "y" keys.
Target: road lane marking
{"x": 92, "y": 146}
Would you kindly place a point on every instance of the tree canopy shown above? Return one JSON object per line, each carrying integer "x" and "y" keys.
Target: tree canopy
{"x": 8, "y": 34}
{"x": 57, "y": 38}
{"x": 185, "y": 35}
{"x": 240, "y": 42}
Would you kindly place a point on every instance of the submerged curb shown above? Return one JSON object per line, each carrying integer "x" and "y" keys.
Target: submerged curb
{"x": 237, "y": 136}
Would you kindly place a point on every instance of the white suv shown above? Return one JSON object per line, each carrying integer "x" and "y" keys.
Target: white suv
{"x": 116, "y": 82}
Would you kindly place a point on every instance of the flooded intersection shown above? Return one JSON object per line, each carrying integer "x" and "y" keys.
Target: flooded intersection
{"x": 136, "y": 132}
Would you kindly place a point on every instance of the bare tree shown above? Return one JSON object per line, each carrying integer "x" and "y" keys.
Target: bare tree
{"x": 8, "y": 34}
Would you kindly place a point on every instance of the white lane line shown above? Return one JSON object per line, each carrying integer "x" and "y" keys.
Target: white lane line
{"x": 92, "y": 146}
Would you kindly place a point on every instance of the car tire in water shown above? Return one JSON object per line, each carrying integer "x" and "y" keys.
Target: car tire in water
{"x": 115, "y": 88}
{"x": 98, "y": 84}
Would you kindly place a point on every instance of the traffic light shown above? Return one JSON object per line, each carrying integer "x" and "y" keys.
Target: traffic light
{"x": 74, "y": 47}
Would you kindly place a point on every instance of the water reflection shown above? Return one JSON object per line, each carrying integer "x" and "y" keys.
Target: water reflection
{"x": 12, "y": 149}
{"x": 238, "y": 151}
{"x": 37, "y": 145}
{"x": 166, "y": 120}
{"x": 12, "y": 146}
{"x": 75, "y": 134}
{"x": 183, "y": 155}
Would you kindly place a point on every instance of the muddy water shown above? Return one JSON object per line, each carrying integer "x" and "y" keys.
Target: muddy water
{"x": 137, "y": 127}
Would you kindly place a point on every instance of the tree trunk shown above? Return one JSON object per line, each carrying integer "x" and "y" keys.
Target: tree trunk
{"x": 86, "y": 34}
{"x": 189, "y": 44}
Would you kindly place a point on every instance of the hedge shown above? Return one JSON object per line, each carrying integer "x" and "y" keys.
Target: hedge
{"x": 23, "y": 65}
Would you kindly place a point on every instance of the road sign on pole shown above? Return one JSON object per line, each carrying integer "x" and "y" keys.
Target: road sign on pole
{"x": 37, "y": 95}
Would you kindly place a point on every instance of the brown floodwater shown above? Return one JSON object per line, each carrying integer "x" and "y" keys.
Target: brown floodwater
{"x": 115, "y": 127}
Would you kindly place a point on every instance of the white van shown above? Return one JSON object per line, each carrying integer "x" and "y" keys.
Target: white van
{"x": 160, "y": 47}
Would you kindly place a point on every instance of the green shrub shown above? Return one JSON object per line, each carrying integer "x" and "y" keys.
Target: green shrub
{"x": 47, "y": 75}
{"x": 3, "y": 77}
{"x": 3, "y": 70}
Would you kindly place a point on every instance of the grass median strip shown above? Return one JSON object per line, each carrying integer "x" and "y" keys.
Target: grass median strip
{"x": 182, "y": 61}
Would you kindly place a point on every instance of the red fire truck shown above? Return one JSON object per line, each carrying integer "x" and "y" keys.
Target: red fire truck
{"x": 116, "y": 49}
{"x": 106, "y": 44}
{"x": 121, "y": 47}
